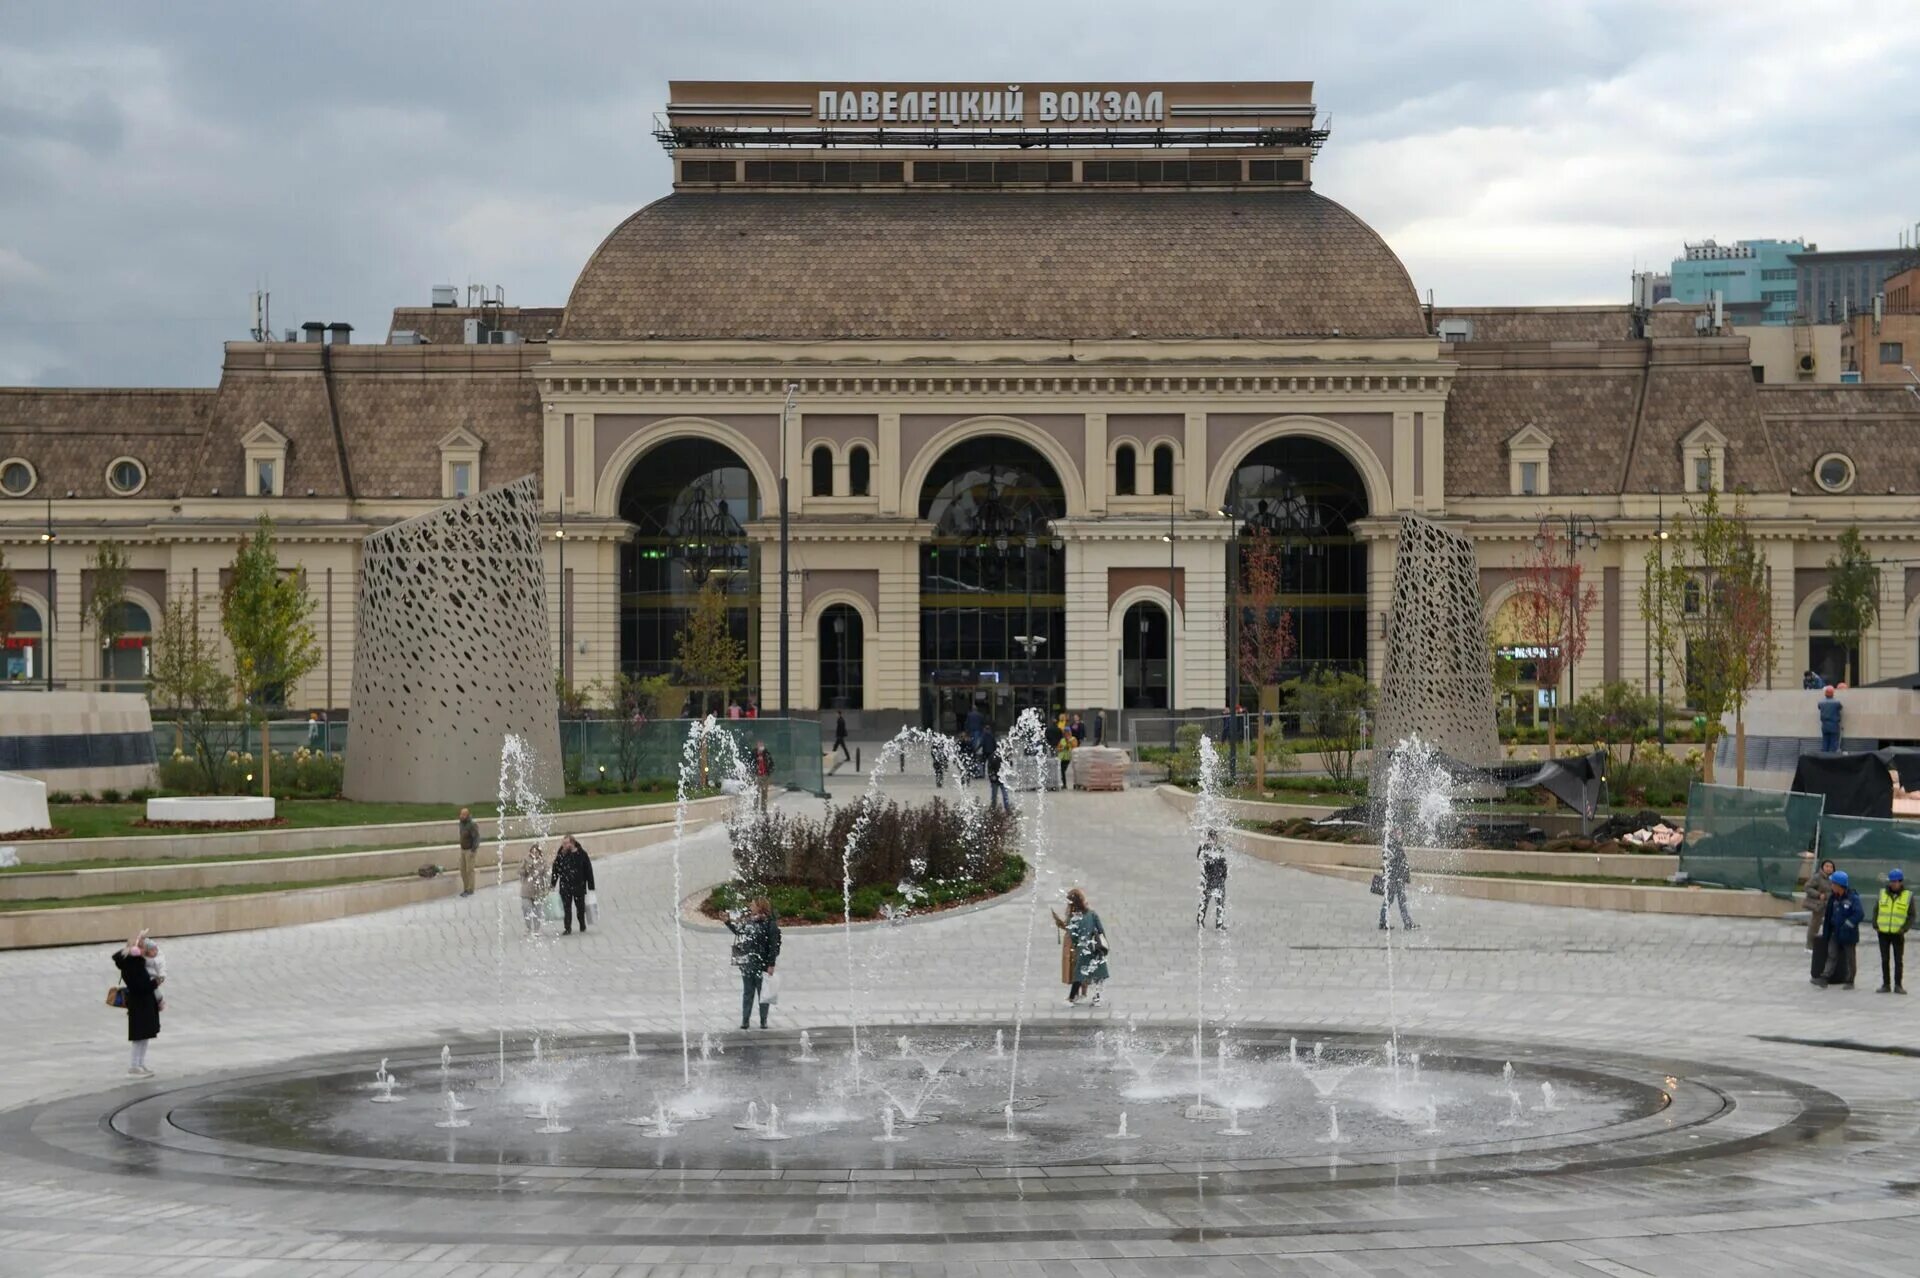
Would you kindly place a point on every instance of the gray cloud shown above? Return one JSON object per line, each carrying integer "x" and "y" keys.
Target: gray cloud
{"x": 158, "y": 162}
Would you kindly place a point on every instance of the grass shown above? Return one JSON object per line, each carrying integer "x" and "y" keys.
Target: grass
{"x": 116, "y": 820}
{"x": 183, "y": 894}
{"x": 61, "y": 867}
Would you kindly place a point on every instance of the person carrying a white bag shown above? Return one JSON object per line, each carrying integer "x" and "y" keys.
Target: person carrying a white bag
{"x": 756, "y": 949}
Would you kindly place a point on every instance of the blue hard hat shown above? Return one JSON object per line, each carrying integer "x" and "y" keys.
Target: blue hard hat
{"x": 1840, "y": 877}
{"x": 1895, "y": 876}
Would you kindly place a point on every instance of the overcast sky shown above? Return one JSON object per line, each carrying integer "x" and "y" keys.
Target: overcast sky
{"x": 159, "y": 162}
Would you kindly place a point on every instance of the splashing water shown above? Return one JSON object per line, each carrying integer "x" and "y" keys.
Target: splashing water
{"x": 806, "y": 1048}
{"x": 751, "y": 1123}
{"x": 1027, "y": 739}
{"x": 1121, "y": 1132}
{"x": 1333, "y": 1136}
{"x": 1010, "y": 1136}
{"x": 772, "y": 1130}
{"x": 1547, "y": 1104}
{"x": 704, "y": 739}
{"x": 1209, "y": 826}
{"x": 1417, "y": 801}
{"x": 1233, "y": 1127}
{"x": 453, "y": 1118}
{"x": 999, "y": 1045}
{"x": 523, "y": 813}
{"x": 886, "y": 1136}
{"x": 633, "y": 1047}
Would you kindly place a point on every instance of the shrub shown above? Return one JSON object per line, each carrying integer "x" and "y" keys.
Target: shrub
{"x": 142, "y": 794}
{"x": 920, "y": 844}
{"x": 110, "y": 795}
{"x": 59, "y": 796}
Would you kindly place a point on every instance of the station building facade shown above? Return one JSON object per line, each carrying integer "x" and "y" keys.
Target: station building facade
{"x": 1028, "y": 377}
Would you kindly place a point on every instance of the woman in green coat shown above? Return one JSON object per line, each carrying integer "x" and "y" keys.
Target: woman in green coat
{"x": 1083, "y": 956}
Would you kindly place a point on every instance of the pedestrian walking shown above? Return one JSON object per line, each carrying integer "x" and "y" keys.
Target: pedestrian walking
{"x": 1830, "y": 711}
{"x": 1892, "y": 916}
{"x": 990, "y": 754}
{"x": 1843, "y": 933}
{"x": 534, "y": 885}
{"x": 573, "y": 879}
{"x": 1099, "y": 727}
{"x": 139, "y": 993}
{"x": 762, "y": 767}
{"x": 975, "y": 726}
{"x": 1212, "y": 854}
{"x": 315, "y": 731}
{"x": 840, "y": 736}
{"x": 469, "y": 850}
{"x": 1079, "y": 730}
{"x": 756, "y": 949}
{"x": 1083, "y": 949}
{"x": 1064, "y": 752}
{"x": 1814, "y": 902}
{"x": 1391, "y": 883}
{"x": 1054, "y": 734}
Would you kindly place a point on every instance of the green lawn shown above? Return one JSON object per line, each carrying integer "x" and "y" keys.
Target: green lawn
{"x": 116, "y": 820}
{"x": 184, "y": 894}
{"x": 153, "y": 862}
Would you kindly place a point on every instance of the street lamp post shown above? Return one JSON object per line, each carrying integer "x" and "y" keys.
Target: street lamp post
{"x": 786, "y": 412}
{"x": 560, "y": 538}
{"x": 1232, "y": 511}
{"x": 1172, "y": 577}
{"x": 1660, "y": 657}
{"x": 46, "y": 631}
{"x": 1580, "y": 532}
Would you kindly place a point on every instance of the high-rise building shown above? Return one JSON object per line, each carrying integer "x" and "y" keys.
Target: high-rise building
{"x": 1755, "y": 279}
{"x": 1834, "y": 286}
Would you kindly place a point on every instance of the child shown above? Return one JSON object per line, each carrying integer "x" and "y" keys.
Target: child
{"x": 156, "y": 968}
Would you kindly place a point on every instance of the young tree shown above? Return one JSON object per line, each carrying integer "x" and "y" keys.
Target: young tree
{"x": 1266, "y": 631}
{"x": 1333, "y": 708}
{"x": 710, "y": 658}
{"x": 189, "y": 679}
{"x": 267, "y": 616}
{"x": 1553, "y": 606}
{"x": 1853, "y": 596}
{"x": 9, "y": 596}
{"x": 632, "y": 700}
{"x": 106, "y": 606}
{"x": 1717, "y": 615}
{"x": 1616, "y": 716}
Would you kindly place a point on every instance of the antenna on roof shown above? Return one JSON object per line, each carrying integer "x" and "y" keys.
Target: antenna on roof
{"x": 262, "y": 316}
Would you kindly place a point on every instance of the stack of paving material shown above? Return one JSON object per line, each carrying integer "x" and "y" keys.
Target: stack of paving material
{"x": 1101, "y": 768}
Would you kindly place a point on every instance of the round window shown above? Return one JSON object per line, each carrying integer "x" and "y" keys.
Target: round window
{"x": 1834, "y": 472}
{"x": 126, "y": 476}
{"x": 16, "y": 477}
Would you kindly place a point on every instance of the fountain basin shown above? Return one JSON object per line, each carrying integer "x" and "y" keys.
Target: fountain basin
{"x": 1069, "y": 1103}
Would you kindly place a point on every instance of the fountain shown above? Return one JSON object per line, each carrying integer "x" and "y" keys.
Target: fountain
{"x": 1547, "y": 1105}
{"x": 751, "y": 1123}
{"x": 1027, "y": 741}
{"x": 772, "y": 1130}
{"x": 999, "y": 1045}
{"x": 806, "y": 1048}
{"x": 1514, "y": 1118}
{"x": 1010, "y": 1136}
{"x": 704, "y": 739}
{"x": 453, "y": 1118}
{"x": 446, "y": 1062}
{"x": 1433, "y": 1117}
{"x": 1333, "y": 1136}
{"x": 886, "y": 1136}
{"x": 1121, "y": 1132}
{"x": 633, "y": 1051}
{"x": 552, "y": 1126}
{"x": 1233, "y": 1127}
{"x": 380, "y": 1075}
{"x": 386, "y": 1096}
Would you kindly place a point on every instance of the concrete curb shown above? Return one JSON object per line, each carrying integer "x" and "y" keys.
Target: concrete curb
{"x": 1695, "y": 902}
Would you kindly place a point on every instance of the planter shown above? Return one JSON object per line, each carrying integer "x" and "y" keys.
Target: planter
{"x": 211, "y": 810}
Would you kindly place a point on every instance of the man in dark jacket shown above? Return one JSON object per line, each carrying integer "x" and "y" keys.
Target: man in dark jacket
{"x": 572, "y": 879}
{"x": 990, "y": 756}
{"x": 755, "y": 953}
{"x": 840, "y": 736}
{"x": 1842, "y": 932}
{"x": 469, "y": 849}
{"x": 1829, "y": 721}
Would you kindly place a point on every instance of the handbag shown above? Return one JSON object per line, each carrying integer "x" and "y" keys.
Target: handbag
{"x": 550, "y": 905}
{"x": 1378, "y": 885}
{"x": 1100, "y": 944}
{"x": 117, "y": 996}
{"x": 769, "y": 989}
{"x": 593, "y": 906}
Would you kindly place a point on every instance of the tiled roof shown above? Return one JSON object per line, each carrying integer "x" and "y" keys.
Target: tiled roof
{"x": 1588, "y": 413}
{"x": 1541, "y": 323}
{"x": 1680, "y": 398}
{"x": 987, "y": 265}
{"x": 392, "y": 425}
{"x": 71, "y": 436}
{"x": 293, "y": 403}
{"x": 1877, "y": 427}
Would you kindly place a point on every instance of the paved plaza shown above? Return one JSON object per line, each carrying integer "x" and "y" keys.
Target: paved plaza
{"x": 1810, "y": 1168}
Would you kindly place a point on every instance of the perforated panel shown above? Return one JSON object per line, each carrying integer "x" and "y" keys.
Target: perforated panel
{"x": 1438, "y": 680}
{"x": 453, "y": 653}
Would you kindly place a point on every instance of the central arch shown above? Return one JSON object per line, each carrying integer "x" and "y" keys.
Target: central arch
{"x": 686, "y": 500}
{"x": 1066, "y": 472}
{"x": 993, "y": 617}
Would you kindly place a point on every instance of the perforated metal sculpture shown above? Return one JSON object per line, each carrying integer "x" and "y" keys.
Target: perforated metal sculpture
{"x": 1438, "y": 680}
{"x": 452, "y": 653}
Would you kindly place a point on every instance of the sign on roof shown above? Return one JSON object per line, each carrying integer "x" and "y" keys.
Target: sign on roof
{"x": 1244, "y": 104}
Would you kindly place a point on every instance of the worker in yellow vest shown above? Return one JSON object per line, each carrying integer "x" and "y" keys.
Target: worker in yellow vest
{"x": 1891, "y": 919}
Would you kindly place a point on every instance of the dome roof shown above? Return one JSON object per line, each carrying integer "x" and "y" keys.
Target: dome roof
{"x": 993, "y": 265}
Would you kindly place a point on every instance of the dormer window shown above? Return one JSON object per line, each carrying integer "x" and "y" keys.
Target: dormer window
{"x": 1528, "y": 453}
{"x": 1704, "y": 458}
{"x": 459, "y": 464}
{"x": 266, "y": 461}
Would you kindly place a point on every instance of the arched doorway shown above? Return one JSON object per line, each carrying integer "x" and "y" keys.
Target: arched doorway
{"x": 993, "y": 615}
{"x": 26, "y": 641}
{"x": 687, "y": 500}
{"x": 1308, "y": 496}
{"x": 125, "y": 665}
{"x": 842, "y": 646}
{"x": 1143, "y": 657}
{"x": 1827, "y": 656}
{"x": 1523, "y": 702}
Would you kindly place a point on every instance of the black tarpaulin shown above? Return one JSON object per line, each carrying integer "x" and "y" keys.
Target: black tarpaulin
{"x": 1856, "y": 784}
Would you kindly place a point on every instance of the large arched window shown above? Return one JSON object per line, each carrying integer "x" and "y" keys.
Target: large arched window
{"x": 1827, "y": 657}
{"x": 1143, "y": 657}
{"x": 842, "y": 645}
{"x": 26, "y": 642}
{"x": 124, "y": 667}
{"x": 687, "y": 500}
{"x": 992, "y": 583}
{"x": 822, "y": 466}
{"x": 1163, "y": 470}
{"x": 1306, "y": 494}
{"x": 859, "y": 471}
{"x": 1124, "y": 480}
